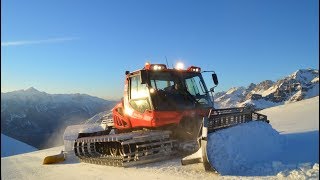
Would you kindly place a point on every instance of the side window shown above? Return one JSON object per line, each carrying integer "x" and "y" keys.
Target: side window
{"x": 193, "y": 85}
{"x": 138, "y": 90}
{"x": 138, "y": 95}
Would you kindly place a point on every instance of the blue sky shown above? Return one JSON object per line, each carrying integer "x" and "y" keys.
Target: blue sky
{"x": 82, "y": 46}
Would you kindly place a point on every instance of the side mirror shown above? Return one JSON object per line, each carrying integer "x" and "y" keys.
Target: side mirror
{"x": 215, "y": 78}
{"x": 143, "y": 76}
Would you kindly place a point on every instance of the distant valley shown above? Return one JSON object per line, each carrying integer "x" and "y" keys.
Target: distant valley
{"x": 39, "y": 119}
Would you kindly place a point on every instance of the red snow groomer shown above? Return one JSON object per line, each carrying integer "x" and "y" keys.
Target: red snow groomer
{"x": 163, "y": 112}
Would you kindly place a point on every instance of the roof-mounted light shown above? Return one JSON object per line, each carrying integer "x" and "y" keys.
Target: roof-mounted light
{"x": 147, "y": 65}
{"x": 155, "y": 67}
{"x": 179, "y": 66}
{"x": 194, "y": 69}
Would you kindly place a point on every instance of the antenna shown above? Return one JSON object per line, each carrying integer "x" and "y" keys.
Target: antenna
{"x": 167, "y": 61}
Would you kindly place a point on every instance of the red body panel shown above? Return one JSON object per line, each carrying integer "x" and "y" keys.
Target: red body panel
{"x": 151, "y": 119}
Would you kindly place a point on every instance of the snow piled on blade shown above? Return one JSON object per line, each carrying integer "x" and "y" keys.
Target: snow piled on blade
{"x": 241, "y": 150}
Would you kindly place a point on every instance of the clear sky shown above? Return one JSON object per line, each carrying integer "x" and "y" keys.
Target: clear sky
{"x": 82, "y": 46}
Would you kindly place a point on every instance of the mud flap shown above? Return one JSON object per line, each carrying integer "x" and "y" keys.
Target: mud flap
{"x": 54, "y": 158}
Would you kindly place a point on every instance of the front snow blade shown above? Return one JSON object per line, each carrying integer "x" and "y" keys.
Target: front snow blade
{"x": 54, "y": 158}
{"x": 224, "y": 118}
{"x": 220, "y": 119}
{"x": 201, "y": 154}
{"x": 204, "y": 141}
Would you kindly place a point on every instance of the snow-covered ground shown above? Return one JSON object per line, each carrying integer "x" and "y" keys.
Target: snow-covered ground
{"x": 10, "y": 146}
{"x": 295, "y": 117}
{"x": 288, "y": 148}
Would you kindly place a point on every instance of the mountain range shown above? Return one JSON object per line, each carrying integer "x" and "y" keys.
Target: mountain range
{"x": 39, "y": 119}
{"x": 302, "y": 84}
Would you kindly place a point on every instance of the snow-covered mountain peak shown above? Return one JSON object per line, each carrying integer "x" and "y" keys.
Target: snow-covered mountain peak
{"x": 23, "y": 93}
{"x": 315, "y": 80}
{"x": 302, "y": 84}
{"x": 251, "y": 86}
{"x": 304, "y": 75}
{"x": 32, "y": 90}
{"x": 266, "y": 84}
{"x": 236, "y": 90}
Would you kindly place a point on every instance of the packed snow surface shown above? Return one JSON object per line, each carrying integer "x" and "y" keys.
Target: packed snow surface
{"x": 287, "y": 148}
{"x": 10, "y": 147}
{"x": 257, "y": 149}
{"x": 298, "y": 117}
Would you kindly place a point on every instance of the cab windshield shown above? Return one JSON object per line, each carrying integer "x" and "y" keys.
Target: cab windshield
{"x": 178, "y": 90}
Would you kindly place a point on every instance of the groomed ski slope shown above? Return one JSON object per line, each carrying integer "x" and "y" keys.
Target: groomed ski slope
{"x": 10, "y": 146}
{"x": 248, "y": 151}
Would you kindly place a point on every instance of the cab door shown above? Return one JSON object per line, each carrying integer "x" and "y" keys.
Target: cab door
{"x": 139, "y": 103}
